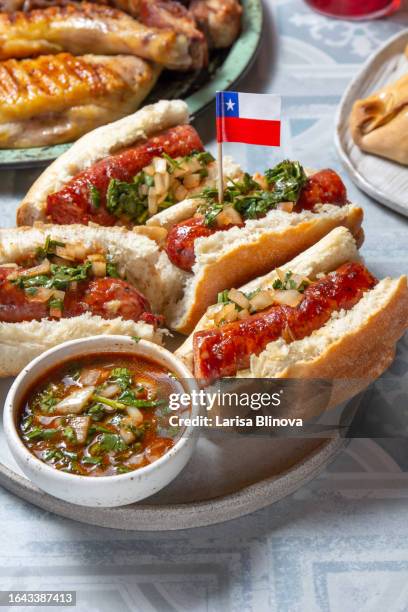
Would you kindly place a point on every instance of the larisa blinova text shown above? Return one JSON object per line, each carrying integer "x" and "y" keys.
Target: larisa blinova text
{"x": 234, "y": 421}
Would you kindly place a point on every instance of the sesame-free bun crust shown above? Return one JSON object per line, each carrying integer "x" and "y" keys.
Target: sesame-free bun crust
{"x": 353, "y": 348}
{"x": 233, "y": 257}
{"x": 96, "y": 145}
{"x": 136, "y": 255}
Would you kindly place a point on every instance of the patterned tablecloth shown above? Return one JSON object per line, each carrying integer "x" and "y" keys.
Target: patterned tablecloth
{"x": 340, "y": 543}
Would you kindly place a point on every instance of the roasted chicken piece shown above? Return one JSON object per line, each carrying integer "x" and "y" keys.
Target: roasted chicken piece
{"x": 57, "y": 98}
{"x": 90, "y": 28}
{"x": 220, "y": 20}
{"x": 172, "y": 15}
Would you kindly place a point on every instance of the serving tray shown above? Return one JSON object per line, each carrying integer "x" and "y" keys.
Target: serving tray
{"x": 197, "y": 89}
{"x": 226, "y": 478}
{"x": 383, "y": 180}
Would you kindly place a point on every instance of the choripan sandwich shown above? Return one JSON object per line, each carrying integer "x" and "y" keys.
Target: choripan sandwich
{"x": 322, "y": 315}
{"x": 63, "y": 282}
{"x": 150, "y": 171}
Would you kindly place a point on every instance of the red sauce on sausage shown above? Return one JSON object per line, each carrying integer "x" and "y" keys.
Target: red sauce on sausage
{"x": 323, "y": 187}
{"x": 181, "y": 238}
{"x": 225, "y": 350}
{"x": 89, "y": 296}
{"x": 73, "y": 203}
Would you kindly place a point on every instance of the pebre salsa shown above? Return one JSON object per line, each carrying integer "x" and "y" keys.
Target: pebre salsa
{"x": 100, "y": 415}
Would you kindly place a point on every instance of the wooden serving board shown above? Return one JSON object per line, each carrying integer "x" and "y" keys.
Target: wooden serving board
{"x": 383, "y": 180}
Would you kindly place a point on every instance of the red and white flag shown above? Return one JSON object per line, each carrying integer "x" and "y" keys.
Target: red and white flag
{"x": 248, "y": 118}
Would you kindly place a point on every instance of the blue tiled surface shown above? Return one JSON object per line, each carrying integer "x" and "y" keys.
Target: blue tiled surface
{"x": 338, "y": 544}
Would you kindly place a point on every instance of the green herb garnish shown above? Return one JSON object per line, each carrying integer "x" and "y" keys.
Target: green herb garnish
{"x": 48, "y": 248}
{"x": 287, "y": 179}
{"x": 249, "y": 199}
{"x": 95, "y": 196}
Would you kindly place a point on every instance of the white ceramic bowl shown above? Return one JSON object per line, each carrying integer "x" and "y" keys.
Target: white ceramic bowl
{"x": 105, "y": 491}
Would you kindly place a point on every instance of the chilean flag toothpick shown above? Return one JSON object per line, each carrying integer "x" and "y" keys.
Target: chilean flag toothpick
{"x": 247, "y": 118}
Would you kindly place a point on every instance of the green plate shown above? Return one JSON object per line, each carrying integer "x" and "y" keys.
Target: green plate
{"x": 198, "y": 89}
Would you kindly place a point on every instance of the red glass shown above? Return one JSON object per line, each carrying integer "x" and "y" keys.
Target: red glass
{"x": 355, "y": 9}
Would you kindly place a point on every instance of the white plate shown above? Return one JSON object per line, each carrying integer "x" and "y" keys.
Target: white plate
{"x": 383, "y": 180}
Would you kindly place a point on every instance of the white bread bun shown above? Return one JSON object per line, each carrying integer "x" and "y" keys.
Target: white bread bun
{"x": 96, "y": 145}
{"x": 353, "y": 348}
{"x": 230, "y": 258}
{"x": 135, "y": 255}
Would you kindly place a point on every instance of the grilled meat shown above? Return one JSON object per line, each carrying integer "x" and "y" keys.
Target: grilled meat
{"x": 57, "y": 98}
{"x": 220, "y": 20}
{"x": 171, "y": 15}
{"x": 90, "y": 28}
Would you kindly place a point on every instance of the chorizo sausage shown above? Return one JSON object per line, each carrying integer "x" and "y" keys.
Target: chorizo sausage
{"x": 106, "y": 297}
{"x": 224, "y": 350}
{"x": 324, "y": 187}
{"x": 74, "y": 202}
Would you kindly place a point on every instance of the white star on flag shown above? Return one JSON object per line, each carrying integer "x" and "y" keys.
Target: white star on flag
{"x": 230, "y": 105}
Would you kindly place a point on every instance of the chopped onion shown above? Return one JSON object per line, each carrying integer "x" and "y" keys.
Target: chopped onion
{"x": 193, "y": 165}
{"x": 43, "y": 268}
{"x": 244, "y": 313}
{"x": 159, "y": 186}
{"x": 261, "y": 180}
{"x": 112, "y": 306}
{"x": 110, "y": 390}
{"x": 41, "y": 295}
{"x": 166, "y": 179}
{"x": 71, "y": 252}
{"x": 262, "y": 300}
{"x": 135, "y": 414}
{"x": 75, "y": 402}
{"x": 160, "y": 165}
{"x": 180, "y": 193}
{"x": 180, "y": 171}
{"x": 286, "y": 206}
{"x": 149, "y": 170}
{"x": 89, "y": 377}
{"x": 96, "y": 257}
{"x": 127, "y": 435}
{"x": 227, "y": 216}
{"x": 191, "y": 181}
{"x": 227, "y": 314}
{"x": 288, "y": 297}
{"x": 152, "y": 201}
{"x": 80, "y": 425}
{"x": 99, "y": 268}
{"x": 239, "y": 298}
{"x": 281, "y": 274}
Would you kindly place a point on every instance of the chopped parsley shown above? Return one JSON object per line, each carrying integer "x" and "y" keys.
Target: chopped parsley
{"x": 94, "y": 196}
{"x": 130, "y": 199}
{"x": 48, "y": 248}
{"x": 289, "y": 283}
{"x": 247, "y": 196}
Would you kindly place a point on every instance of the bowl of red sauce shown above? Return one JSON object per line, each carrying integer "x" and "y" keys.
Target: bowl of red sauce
{"x": 90, "y": 421}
